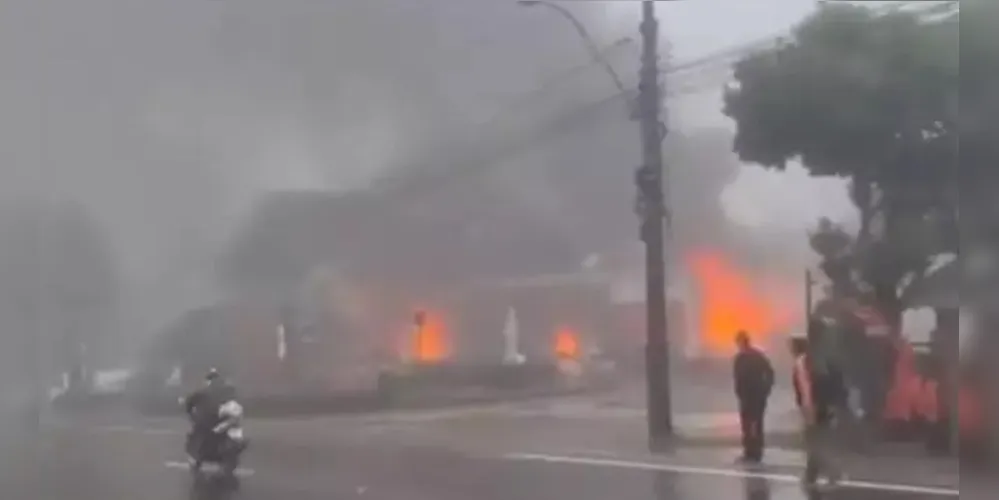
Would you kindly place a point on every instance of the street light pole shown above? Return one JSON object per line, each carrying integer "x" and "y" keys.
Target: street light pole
{"x": 652, "y": 205}
{"x": 591, "y": 46}
{"x": 809, "y": 285}
{"x": 651, "y": 208}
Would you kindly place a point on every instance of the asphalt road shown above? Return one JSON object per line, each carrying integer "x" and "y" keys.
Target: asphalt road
{"x": 339, "y": 459}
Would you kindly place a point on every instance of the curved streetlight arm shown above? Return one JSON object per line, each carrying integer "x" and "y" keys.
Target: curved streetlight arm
{"x": 591, "y": 45}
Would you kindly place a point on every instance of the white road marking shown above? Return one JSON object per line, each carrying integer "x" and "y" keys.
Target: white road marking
{"x": 207, "y": 468}
{"x": 783, "y": 460}
{"x": 729, "y": 473}
{"x": 776, "y": 457}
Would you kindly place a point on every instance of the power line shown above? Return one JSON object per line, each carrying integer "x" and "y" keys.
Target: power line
{"x": 425, "y": 175}
{"x": 485, "y": 153}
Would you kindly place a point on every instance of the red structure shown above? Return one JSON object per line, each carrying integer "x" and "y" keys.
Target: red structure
{"x": 912, "y": 399}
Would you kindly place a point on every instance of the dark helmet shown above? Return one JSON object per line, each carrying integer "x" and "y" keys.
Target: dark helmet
{"x": 213, "y": 376}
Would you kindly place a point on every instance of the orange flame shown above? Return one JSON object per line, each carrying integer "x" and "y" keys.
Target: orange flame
{"x": 566, "y": 342}
{"x": 729, "y": 302}
{"x": 431, "y": 340}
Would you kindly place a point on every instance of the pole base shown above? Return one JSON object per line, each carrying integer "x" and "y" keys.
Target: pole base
{"x": 659, "y": 418}
{"x": 661, "y": 444}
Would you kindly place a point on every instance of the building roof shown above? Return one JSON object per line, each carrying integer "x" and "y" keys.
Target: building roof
{"x": 460, "y": 236}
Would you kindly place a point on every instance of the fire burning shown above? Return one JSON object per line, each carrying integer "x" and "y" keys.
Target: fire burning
{"x": 729, "y": 301}
{"x": 431, "y": 341}
{"x": 566, "y": 344}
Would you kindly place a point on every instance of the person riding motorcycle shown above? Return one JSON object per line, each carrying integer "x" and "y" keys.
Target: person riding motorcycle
{"x": 202, "y": 408}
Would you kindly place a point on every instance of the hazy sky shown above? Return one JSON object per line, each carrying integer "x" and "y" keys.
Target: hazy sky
{"x": 167, "y": 117}
{"x": 703, "y": 27}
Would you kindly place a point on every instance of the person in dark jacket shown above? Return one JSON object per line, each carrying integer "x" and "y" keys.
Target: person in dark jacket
{"x": 201, "y": 407}
{"x": 754, "y": 380}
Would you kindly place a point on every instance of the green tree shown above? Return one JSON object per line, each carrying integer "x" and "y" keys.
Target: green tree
{"x": 871, "y": 98}
{"x": 834, "y": 244}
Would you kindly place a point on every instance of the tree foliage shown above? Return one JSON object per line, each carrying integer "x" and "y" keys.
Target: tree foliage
{"x": 834, "y": 244}
{"x": 872, "y": 98}
{"x": 852, "y": 94}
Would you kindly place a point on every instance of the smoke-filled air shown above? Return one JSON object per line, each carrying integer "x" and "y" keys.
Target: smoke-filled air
{"x": 316, "y": 196}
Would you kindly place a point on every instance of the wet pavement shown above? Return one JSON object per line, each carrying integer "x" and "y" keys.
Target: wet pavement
{"x": 461, "y": 455}
{"x": 129, "y": 466}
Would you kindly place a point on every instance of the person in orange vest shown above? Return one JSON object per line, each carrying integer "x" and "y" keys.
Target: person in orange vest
{"x": 819, "y": 392}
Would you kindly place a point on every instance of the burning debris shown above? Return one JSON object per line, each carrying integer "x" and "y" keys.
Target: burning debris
{"x": 566, "y": 344}
{"x": 431, "y": 342}
{"x": 730, "y": 299}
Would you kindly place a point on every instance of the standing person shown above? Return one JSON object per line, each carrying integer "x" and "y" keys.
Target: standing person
{"x": 818, "y": 388}
{"x": 754, "y": 380}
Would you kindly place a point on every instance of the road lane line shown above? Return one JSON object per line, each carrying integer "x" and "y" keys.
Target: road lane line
{"x": 207, "y": 468}
{"x": 771, "y": 461}
{"x": 728, "y": 473}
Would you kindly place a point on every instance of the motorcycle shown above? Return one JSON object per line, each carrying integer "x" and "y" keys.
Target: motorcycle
{"x": 223, "y": 446}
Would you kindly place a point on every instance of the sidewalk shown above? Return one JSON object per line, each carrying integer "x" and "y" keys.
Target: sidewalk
{"x": 703, "y": 441}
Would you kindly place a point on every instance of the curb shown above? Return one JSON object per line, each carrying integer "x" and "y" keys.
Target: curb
{"x": 375, "y": 405}
{"x": 342, "y": 404}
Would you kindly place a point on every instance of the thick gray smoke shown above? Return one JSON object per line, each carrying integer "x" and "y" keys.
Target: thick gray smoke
{"x": 166, "y": 118}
